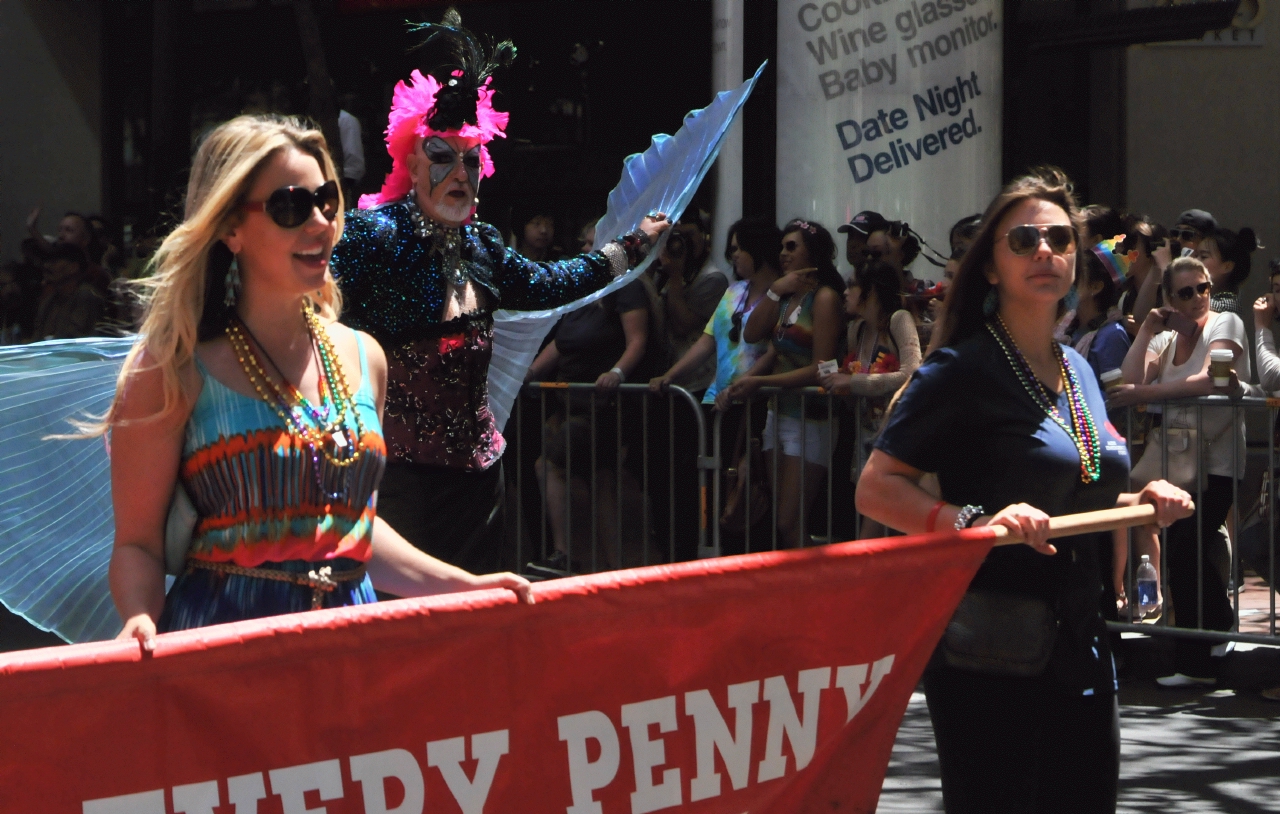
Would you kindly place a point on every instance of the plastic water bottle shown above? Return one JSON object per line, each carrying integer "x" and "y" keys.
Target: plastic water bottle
{"x": 1148, "y": 583}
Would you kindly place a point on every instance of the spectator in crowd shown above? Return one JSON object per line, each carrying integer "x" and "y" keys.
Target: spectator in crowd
{"x": 1169, "y": 364}
{"x": 1100, "y": 223}
{"x": 1095, "y": 329}
{"x": 752, "y": 254}
{"x": 801, "y": 313}
{"x": 1143, "y": 239}
{"x": 70, "y": 306}
{"x": 695, "y": 226}
{"x": 1264, "y": 315}
{"x": 898, "y": 247}
{"x": 883, "y": 352}
{"x": 587, "y": 235}
{"x": 535, "y": 237}
{"x": 689, "y": 294}
{"x": 1226, "y": 254}
{"x": 960, "y": 238}
{"x": 18, "y": 302}
{"x": 74, "y": 230}
{"x": 1193, "y": 226}
{"x": 857, "y": 231}
{"x": 352, "y": 149}
{"x": 607, "y": 343}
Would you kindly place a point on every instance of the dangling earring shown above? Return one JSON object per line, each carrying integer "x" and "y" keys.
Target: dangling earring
{"x": 990, "y": 303}
{"x": 232, "y": 283}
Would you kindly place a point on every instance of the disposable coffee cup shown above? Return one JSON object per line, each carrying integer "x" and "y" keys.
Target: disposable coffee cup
{"x": 1220, "y": 366}
{"x": 1112, "y": 378}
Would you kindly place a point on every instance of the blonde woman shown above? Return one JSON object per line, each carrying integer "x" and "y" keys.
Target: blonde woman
{"x": 246, "y": 391}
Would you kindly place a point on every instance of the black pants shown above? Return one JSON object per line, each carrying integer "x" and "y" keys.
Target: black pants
{"x": 1010, "y": 745}
{"x": 452, "y": 514}
{"x": 1189, "y": 574}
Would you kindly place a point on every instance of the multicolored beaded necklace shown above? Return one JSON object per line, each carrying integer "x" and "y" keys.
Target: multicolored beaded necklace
{"x": 325, "y": 429}
{"x": 1081, "y": 429}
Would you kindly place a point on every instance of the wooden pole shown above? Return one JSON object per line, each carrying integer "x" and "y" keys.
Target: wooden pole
{"x": 1069, "y": 525}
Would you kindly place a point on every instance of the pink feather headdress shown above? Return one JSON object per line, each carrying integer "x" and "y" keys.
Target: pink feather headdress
{"x": 412, "y": 106}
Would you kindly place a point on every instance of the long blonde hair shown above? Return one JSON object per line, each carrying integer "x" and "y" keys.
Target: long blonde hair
{"x": 183, "y": 292}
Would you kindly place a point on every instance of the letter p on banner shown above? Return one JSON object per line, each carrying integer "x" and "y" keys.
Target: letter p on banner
{"x": 655, "y": 689}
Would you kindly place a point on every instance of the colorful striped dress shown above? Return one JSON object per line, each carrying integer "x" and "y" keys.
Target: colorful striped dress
{"x": 257, "y": 491}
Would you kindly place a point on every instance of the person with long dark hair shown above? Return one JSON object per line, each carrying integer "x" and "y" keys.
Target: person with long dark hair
{"x": 1013, "y": 424}
{"x": 801, "y": 311}
{"x": 1227, "y": 256}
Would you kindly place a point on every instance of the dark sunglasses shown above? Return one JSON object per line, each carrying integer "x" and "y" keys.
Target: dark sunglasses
{"x": 1184, "y": 235}
{"x": 735, "y": 330}
{"x": 290, "y": 207}
{"x": 958, "y": 252}
{"x": 1187, "y": 292}
{"x": 1024, "y": 240}
{"x": 790, "y": 246}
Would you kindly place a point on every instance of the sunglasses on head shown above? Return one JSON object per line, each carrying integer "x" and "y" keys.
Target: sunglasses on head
{"x": 290, "y": 207}
{"x": 1024, "y": 240}
{"x": 1187, "y": 292}
{"x": 1184, "y": 235}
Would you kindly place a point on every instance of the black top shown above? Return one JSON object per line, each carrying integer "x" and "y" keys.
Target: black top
{"x": 967, "y": 417}
{"x": 591, "y": 339}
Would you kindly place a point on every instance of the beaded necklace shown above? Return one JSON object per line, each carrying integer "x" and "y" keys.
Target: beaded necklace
{"x": 326, "y": 431}
{"x": 446, "y": 241}
{"x": 1081, "y": 429}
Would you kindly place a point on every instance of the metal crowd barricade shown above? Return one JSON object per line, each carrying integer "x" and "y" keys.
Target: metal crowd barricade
{"x": 565, "y": 410}
{"x": 769, "y": 395}
{"x": 1240, "y": 519}
{"x": 1248, "y": 626}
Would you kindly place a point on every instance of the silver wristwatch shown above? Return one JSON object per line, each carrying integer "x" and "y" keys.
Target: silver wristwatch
{"x": 967, "y": 515}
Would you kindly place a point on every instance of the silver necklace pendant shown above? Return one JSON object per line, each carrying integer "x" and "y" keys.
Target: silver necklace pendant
{"x": 446, "y": 243}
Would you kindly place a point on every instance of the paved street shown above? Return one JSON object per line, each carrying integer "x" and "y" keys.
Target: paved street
{"x": 1182, "y": 751}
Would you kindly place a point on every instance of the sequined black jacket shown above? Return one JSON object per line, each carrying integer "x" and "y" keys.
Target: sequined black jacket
{"x": 394, "y": 286}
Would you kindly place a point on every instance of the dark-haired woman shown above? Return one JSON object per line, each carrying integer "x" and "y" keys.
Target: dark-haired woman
{"x": 883, "y": 352}
{"x": 801, "y": 313}
{"x": 1013, "y": 424}
{"x": 1097, "y": 331}
{"x": 752, "y": 251}
{"x": 1226, "y": 254}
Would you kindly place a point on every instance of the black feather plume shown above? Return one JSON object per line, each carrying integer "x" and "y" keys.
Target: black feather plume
{"x": 458, "y": 96}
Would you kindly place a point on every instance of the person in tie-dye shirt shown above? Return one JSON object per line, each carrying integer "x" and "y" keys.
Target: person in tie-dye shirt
{"x": 752, "y": 251}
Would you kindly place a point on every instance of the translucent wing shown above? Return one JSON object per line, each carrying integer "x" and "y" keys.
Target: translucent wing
{"x": 55, "y": 495}
{"x": 662, "y": 178}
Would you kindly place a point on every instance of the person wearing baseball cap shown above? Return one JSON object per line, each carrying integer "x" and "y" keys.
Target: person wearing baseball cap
{"x": 858, "y": 230}
{"x": 1192, "y": 227}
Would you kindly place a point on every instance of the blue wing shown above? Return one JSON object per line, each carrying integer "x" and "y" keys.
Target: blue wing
{"x": 55, "y": 495}
{"x": 662, "y": 178}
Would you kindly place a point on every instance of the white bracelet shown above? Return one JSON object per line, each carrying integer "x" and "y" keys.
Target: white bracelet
{"x": 617, "y": 371}
{"x": 768, "y": 292}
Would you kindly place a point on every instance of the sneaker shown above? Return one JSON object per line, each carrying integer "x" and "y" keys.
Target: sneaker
{"x": 1179, "y": 680}
{"x": 1220, "y": 650}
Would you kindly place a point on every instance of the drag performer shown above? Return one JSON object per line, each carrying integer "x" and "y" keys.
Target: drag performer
{"x": 246, "y": 393}
{"x": 421, "y": 275}
{"x": 1021, "y": 690}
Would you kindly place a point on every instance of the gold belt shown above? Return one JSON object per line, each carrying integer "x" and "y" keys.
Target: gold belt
{"x": 321, "y": 580}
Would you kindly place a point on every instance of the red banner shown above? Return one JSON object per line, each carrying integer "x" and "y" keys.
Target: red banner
{"x": 766, "y": 683}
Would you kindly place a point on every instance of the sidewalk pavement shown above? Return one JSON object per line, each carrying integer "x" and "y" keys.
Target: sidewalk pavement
{"x": 1184, "y": 751}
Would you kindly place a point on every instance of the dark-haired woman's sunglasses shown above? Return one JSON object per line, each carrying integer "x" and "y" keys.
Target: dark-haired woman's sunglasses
{"x": 790, "y": 245}
{"x": 735, "y": 327}
{"x": 1187, "y": 292}
{"x": 290, "y": 207}
{"x": 1025, "y": 239}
